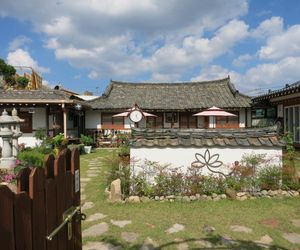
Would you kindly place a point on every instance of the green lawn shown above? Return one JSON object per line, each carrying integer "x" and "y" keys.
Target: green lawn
{"x": 153, "y": 218}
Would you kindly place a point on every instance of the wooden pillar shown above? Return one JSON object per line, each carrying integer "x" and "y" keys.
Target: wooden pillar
{"x": 65, "y": 112}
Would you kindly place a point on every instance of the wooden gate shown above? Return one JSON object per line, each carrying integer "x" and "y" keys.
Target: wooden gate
{"x": 43, "y": 195}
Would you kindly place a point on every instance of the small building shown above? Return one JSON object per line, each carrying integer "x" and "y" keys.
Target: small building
{"x": 53, "y": 110}
{"x": 173, "y": 104}
{"x": 283, "y": 106}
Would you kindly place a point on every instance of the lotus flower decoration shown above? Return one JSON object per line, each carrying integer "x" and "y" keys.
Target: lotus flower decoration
{"x": 207, "y": 160}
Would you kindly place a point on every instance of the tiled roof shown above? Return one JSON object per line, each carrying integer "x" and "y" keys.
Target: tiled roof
{"x": 263, "y": 137}
{"x": 37, "y": 96}
{"x": 288, "y": 89}
{"x": 171, "y": 96}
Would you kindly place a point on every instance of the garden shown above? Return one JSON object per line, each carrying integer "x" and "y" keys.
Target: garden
{"x": 182, "y": 223}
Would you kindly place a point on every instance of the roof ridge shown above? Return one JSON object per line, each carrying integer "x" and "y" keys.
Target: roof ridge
{"x": 171, "y": 83}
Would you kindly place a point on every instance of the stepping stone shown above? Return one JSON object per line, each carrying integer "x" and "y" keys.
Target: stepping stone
{"x": 296, "y": 222}
{"x": 92, "y": 175}
{"x": 85, "y": 179}
{"x": 242, "y": 229}
{"x": 94, "y": 168}
{"x": 120, "y": 223}
{"x": 292, "y": 237}
{"x": 95, "y": 230}
{"x": 265, "y": 240}
{"x": 93, "y": 172}
{"x": 208, "y": 229}
{"x": 129, "y": 236}
{"x": 82, "y": 190}
{"x": 180, "y": 244}
{"x": 204, "y": 243}
{"x": 87, "y": 205}
{"x": 100, "y": 245}
{"x": 149, "y": 244}
{"x": 83, "y": 184}
{"x": 175, "y": 229}
{"x": 97, "y": 216}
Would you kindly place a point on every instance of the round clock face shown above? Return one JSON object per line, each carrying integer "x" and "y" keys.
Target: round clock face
{"x": 136, "y": 116}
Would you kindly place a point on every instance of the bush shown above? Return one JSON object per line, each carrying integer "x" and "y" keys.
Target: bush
{"x": 270, "y": 178}
{"x": 34, "y": 157}
{"x": 59, "y": 140}
{"x": 86, "y": 140}
{"x": 22, "y": 81}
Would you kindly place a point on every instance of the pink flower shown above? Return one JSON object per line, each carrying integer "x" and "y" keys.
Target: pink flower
{"x": 9, "y": 178}
{"x": 18, "y": 162}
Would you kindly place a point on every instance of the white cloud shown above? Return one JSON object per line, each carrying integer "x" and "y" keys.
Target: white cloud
{"x": 19, "y": 42}
{"x": 282, "y": 45}
{"x": 21, "y": 57}
{"x": 261, "y": 77}
{"x": 269, "y": 27}
{"x": 242, "y": 60}
{"x": 118, "y": 38}
{"x": 93, "y": 75}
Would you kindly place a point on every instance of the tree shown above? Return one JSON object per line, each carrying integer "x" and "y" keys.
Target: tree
{"x": 22, "y": 81}
{"x": 8, "y": 72}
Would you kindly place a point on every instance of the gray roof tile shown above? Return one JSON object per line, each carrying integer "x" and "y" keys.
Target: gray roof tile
{"x": 266, "y": 137}
{"x": 171, "y": 96}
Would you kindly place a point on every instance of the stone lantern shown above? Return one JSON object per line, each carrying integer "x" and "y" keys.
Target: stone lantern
{"x": 8, "y": 127}
{"x": 16, "y": 131}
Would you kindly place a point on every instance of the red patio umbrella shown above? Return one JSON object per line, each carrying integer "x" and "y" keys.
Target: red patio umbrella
{"x": 214, "y": 112}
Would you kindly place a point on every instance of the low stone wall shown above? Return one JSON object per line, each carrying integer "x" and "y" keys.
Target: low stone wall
{"x": 241, "y": 196}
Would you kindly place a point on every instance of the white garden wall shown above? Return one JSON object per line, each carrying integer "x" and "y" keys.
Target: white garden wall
{"x": 184, "y": 157}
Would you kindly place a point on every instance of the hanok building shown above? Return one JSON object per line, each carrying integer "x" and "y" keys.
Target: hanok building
{"x": 52, "y": 110}
{"x": 173, "y": 104}
{"x": 282, "y": 105}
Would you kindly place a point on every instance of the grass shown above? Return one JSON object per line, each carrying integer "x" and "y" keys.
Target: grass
{"x": 153, "y": 218}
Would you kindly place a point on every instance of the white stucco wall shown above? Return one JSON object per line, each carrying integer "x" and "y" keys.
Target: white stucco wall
{"x": 92, "y": 119}
{"x": 183, "y": 157}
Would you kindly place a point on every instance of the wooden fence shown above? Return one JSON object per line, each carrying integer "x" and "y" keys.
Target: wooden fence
{"x": 43, "y": 195}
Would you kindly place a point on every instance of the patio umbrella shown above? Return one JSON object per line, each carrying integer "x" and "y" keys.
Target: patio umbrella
{"x": 214, "y": 112}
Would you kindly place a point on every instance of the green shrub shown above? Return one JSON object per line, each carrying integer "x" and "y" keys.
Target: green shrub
{"x": 270, "y": 178}
{"x": 22, "y": 81}
{"x": 59, "y": 140}
{"x": 34, "y": 157}
{"x": 124, "y": 150}
{"x": 86, "y": 140}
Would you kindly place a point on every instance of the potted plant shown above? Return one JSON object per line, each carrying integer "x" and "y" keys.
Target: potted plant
{"x": 87, "y": 141}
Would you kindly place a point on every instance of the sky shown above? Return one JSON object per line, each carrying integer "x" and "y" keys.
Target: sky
{"x": 84, "y": 44}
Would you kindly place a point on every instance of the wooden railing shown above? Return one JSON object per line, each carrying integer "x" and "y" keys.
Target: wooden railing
{"x": 43, "y": 195}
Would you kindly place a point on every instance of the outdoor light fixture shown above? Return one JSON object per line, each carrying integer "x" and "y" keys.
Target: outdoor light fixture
{"x": 78, "y": 106}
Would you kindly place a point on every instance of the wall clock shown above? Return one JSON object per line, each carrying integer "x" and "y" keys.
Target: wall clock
{"x": 135, "y": 116}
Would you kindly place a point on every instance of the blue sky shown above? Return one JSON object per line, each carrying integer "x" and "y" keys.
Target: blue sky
{"x": 83, "y": 44}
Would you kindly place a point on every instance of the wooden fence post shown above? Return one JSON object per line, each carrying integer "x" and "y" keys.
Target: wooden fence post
{"x": 75, "y": 169}
{"x": 7, "y": 238}
{"x": 60, "y": 179}
{"x": 36, "y": 193}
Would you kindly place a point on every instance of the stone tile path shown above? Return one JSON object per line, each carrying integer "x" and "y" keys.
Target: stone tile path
{"x": 94, "y": 217}
{"x": 95, "y": 230}
{"x": 129, "y": 236}
{"x": 239, "y": 228}
{"x": 296, "y": 222}
{"x": 175, "y": 229}
{"x": 120, "y": 223}
{"x": 99, "y": 246}
{"x": 292, "y": 237}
